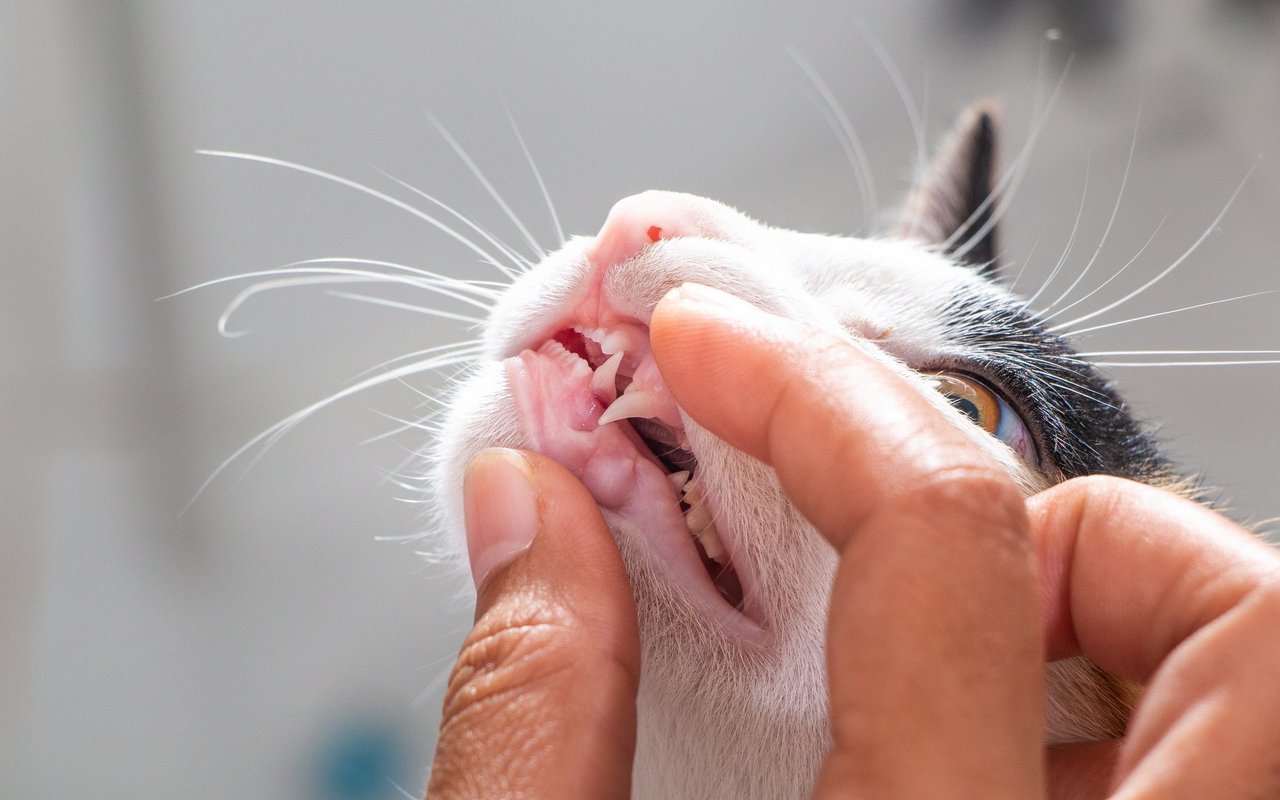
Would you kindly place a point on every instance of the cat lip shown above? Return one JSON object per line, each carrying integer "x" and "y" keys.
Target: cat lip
{"x": 572, "y": 393}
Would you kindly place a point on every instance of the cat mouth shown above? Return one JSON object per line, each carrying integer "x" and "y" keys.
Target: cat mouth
{"x": 592, "y": 400}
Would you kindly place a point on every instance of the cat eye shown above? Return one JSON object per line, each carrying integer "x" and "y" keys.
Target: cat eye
{"x": 989, "y": 411}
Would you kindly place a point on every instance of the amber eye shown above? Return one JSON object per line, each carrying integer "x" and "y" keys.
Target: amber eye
{"x": 989, "y": 411}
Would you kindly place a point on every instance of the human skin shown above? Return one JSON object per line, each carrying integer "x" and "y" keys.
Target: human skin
{"x": 952, "y": 591}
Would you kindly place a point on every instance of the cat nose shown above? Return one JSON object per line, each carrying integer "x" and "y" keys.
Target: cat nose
{"x": 638, "y": 221}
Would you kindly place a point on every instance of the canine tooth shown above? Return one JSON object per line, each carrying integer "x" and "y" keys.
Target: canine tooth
{"x": 602, "y": 382}
{"x": 614, "y": 342}
{"x": 698, "y": 519}
{"x": 679, "y": 479}
{"x": 630, "y": 404}
{"x": 710, "y": 541}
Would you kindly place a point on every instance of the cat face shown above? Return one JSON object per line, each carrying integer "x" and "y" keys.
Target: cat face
{"x": 731, "y": 583}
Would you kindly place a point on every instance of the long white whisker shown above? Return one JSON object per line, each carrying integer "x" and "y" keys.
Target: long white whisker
{"x": 449, "y": 288}
{"x": 271, "y": 435}
{"x": 1026, "y": 261}
{"x": 1115, "y": 211}
{"x": 517, "y": 260}
{"x": 360, "y": 187}
{"x": 1180, "y": 353}
{"x": 551, "y": 208}
{"x": 834, "y": 115}
{"x": 488, "y": 289}
{"x": 382, "y": 301}
{"x": 471, "y": 348}
{"x": 1184, "y": 363}
{"x": 1114, "y": 275}
{"x": 900, "y": 84}
{"x": 313, "y": 277}
{"x": 1071, "y": 241}
{"x": 1163, "y": 313}
{"x": 1212, "y": 226}
{"x": 475, "y": 170}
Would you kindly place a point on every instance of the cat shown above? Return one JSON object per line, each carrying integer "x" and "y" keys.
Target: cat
{"x": 731, "y": 583}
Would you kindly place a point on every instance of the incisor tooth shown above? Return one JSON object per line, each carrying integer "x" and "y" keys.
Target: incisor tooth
{"x": 603, "y": 384}
{"x": 630, "y": 404}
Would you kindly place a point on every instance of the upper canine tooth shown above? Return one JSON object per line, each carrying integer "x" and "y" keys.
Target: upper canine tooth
{"x": 679, "y": 479}
{"x": 630, "y": 404}
{"x": 614, "y": 342}
{"x": 603, "y": 384}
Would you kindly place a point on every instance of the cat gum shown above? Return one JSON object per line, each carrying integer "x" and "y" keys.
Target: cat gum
{"x": 566, "y": 409}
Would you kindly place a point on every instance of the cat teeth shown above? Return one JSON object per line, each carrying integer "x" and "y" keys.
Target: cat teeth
{"x": 698, "y": 519}
{"x": 692, "y": 491}
{"x": 603, "y": 383}
{"x": 631, "y": 404}
{"x": 624, "y": 337}
{"x": 709, "y": 538}
{"x": 679, "y": 479}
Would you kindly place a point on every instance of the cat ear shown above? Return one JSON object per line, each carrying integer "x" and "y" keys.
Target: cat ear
{"x": 953, "y": 206}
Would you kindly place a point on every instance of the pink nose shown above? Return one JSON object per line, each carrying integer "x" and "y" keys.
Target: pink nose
{"x": 638, "y": 221}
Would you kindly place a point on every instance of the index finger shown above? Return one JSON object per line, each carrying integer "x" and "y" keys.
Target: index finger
{"x": 934, "y": 639}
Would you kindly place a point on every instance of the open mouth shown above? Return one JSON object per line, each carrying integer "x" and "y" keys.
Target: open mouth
{"x": 592, "y": 400}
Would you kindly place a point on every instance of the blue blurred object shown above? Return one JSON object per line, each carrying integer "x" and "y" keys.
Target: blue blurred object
{"x": 361, "y": 760}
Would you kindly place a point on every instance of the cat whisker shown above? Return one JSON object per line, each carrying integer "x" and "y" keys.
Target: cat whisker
{"x": 904, "y": 93}
{"x": 516, "y": 258}
{"x": 1013, "y": 285}
{"x": 1161, "y": 313}
{"x": 265, "y": 439}
{"x": 1116, "y": 274}
{"x": 546, "y": 196}
{"x": 312, "y": 276}
{"x": 1115, "y": 211}
{"x": 1177, "y": 262}
{"x": 538, "y": 250}
{"x": 1182, "y": 353}
{"x": 1241, "y": 363}
{"x": 838, "y": 121}
{"x": 472, "y": 348}
{"x": 362, "y": 188}
{"x": 1071, "y": 242}
{"x": 382, "y": 301}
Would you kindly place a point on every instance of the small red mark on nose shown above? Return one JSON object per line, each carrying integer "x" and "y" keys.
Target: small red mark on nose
{"x": 655, "y": 233}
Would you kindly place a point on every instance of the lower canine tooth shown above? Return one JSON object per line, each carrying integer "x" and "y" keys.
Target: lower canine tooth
{"x": 630, "y": 404}
{"x": 603, "y": 382}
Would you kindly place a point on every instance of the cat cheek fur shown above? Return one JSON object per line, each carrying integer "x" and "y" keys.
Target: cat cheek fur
{"x": 721, "y": 714}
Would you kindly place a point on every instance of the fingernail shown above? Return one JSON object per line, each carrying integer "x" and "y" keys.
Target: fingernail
{"x": 704, "y": 295}
{"x": 501, "y": 510}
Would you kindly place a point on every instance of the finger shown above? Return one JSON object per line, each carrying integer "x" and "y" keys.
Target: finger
{"x": 1081, "y": 770}
{"x": 1161, "y": 590}
{"x": 541, "y": 701}
{"x": 934, "y": 643}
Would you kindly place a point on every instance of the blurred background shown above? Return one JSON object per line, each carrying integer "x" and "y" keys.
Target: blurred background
{"x": 265, "y": 644}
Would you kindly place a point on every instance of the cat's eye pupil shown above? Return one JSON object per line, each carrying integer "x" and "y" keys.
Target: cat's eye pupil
{"x": 988, "y": 410}
{"x": 967, "y": 408}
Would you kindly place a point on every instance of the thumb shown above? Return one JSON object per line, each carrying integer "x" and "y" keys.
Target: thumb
{"x": 541, "y": 702}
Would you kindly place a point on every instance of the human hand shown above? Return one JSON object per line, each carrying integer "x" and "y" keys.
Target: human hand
{"x": 948, "y": 614}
